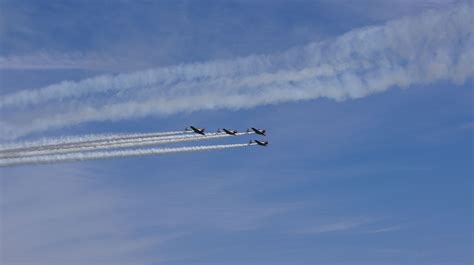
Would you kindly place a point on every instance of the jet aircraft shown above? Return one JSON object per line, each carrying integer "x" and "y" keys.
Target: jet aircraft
{"x": 230, "y": 132}
{"x": 196, "y": 130}
{"x": 261, "y": 143}
{"x": 257, "y": 131}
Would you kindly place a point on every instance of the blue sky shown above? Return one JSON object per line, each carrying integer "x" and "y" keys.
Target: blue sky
{"x": 384, "y": 178}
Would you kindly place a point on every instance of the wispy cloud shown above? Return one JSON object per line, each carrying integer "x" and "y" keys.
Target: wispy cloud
{"x": 72, "y": 215}
{"x": 435, "y": 46}
{"x": 47, "y": 60}
{"x": 336, "y": 226}
{"x": 384, "y": 229}
{"x": 61, "y": 216}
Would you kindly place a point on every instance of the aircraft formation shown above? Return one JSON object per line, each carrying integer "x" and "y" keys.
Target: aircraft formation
{"x": 102, "y": 146}
{"x": 262, "y": 132}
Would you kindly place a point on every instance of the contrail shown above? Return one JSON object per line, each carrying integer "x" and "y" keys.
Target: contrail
{"x": 432, "y": 47}
{"x": 75, "y": 141}
{"x": 118, "y": 144}
{"x": 112, "y": 154}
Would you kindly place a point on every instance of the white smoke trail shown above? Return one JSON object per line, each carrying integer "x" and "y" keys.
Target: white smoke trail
{"x": 117, "y": 144}
{"x": 112, "y": 154}
{"x": 435, "y": 46}
{"x": 75, "y": 141}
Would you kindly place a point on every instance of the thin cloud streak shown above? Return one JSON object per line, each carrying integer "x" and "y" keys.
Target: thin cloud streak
{"x": 51, "y": 61}
{"x": 336, "y": 226}
{"x": 385, "y": 229}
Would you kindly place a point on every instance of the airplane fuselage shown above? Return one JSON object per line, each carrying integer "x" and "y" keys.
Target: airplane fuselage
{"x": 198, "y": 130}
{"x": 231, "y": 132}
{"x": 258, "y": 131}
{"x": 261, "y": 143}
